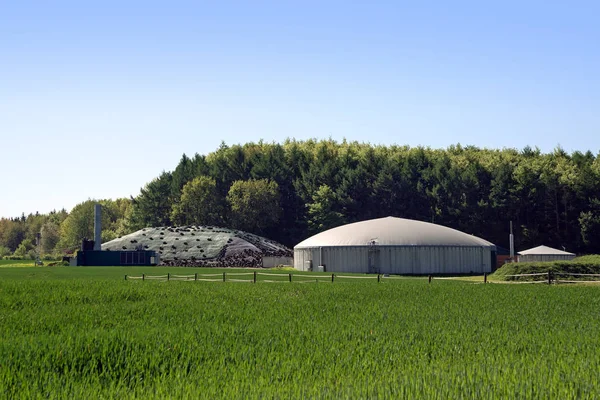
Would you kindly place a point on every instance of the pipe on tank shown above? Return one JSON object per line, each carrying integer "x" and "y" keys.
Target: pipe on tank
{"x": 320, "y": 256}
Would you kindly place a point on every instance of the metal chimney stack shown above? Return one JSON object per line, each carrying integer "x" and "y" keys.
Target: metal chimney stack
{"x": 511, "y": 240}
{"x": 97, "y": 227}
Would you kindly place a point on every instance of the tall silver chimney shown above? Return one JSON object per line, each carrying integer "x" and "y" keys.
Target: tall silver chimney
{"x": 511, "y": 240}
{"x": 97, "y": 227}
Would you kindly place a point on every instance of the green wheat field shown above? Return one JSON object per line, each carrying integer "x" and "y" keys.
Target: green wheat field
{"x": 88, "y": 333}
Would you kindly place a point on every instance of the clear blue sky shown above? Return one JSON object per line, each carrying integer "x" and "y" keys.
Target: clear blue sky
{"x": 98, "y": 97}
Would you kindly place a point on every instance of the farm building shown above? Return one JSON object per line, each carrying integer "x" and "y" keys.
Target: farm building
{"x": 395, "y": 246}
{"x": 544, "y": 253}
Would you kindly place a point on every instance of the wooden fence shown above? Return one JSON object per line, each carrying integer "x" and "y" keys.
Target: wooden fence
{"x": 557, "y": 277}
{"x": 252, "y": 277}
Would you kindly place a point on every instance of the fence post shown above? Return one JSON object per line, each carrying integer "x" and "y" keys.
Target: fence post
{"x": 224, "y": 277}
{"x": 290, "y": 275}
{"x": 485, "y": 277}
{"x": 254, "y": 276}
{"x": 125, "y": 277}
{"x": 143, "y": 277}
{"x": 430, "y": 278}
{"x": 378, "y": 278}
{"x": 196, "y": 276}
{"x": 549, "y": 278}
{"x": 332, "y": 276}
{"x": 168, "y": 276}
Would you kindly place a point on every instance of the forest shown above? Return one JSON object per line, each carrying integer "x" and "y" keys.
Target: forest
{"x": 289, "y": 191}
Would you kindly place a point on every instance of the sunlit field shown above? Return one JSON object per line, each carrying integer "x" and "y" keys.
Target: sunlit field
{"x": 89, "y": 333}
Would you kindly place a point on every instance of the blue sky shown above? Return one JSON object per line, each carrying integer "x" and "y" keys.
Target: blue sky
{"x": 97, "y": 98}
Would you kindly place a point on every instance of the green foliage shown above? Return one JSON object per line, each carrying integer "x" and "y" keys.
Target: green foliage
{"x": 254, "y": 205}
{"x": 4, "y": 251}
{"x": 589, "y": 222}
{"x": 549, "y": 197}
{"x": 590, "y": 258}
{"x": 14, "y": 258}
{"x": 78, "y": 338}
{"x": 200, "y": 204}
{"x": 322, "y": 214}
{"x": 12, "y": 233}
{"x": 50, "y": 235}
{"x": 583, "y": 265}
{"x": 552, "y": 198}
{"x": 152, "y": 207}
{"x": 24, "y": 249}
{"x": 80, "y": 223}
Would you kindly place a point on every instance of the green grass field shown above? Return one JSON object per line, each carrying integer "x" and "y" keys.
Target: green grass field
{"x": 88, "y": 333}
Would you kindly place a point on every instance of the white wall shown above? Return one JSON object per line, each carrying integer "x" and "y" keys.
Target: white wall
{"x": 544, "y": 257}
{"x": 399, "y": 260}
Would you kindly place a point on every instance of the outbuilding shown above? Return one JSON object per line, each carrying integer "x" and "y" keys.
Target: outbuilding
{"x": 395, "y": 246}
{"x": 544, "y": 253}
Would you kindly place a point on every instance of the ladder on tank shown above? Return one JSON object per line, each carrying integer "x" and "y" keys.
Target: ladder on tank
{"x": 373, "y": 256}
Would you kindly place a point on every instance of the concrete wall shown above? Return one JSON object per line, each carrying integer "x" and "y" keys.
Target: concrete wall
{"x": 545, "y": 257}
{"x": 270, "y": 262}
{"x": 417, "y": 260}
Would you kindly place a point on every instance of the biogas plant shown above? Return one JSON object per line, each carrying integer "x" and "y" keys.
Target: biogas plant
{"x": 192, "y": 246}
{"x": 379, "y": 246}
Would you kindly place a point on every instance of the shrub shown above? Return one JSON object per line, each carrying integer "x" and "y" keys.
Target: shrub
{"x": 24, "y": 250}
{"x": 32, "y": 254}
{"x": 13, "y": 257}
{"x": 591, "y": 258}
{"x": 573, "y": 266}
{"x": 4, "y": 251}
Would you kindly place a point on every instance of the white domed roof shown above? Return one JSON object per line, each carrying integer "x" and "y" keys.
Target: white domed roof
{"x": 392, "y": 231}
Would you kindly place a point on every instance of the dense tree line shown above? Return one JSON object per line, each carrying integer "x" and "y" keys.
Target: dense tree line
{"x": 60, "y": 231}
{"x": 552, "y": 198}
{"x": 289, "y": 191}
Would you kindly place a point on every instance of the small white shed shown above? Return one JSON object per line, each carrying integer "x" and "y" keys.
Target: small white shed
{"x": 544, "y": 253}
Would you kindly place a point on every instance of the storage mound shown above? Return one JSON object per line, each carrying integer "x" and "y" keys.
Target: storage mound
{"x": 206, "y": 246}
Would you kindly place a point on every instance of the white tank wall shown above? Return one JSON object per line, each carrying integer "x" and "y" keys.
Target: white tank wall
{"x": 398, "y": 259}
{"x": 545, "y": 257}
{"x": 336, "y": 259}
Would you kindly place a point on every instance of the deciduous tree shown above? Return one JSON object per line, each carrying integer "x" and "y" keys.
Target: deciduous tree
{"x": 254, "y": 205}
{"x": 200, "y": 204}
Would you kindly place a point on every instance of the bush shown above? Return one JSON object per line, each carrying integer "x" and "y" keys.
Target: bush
{"x": 576, "y": 267}
{"x": 591, "y": 258}
{"x": 13, "y": 257}
{"x": 25, "y": 250}
{"x": 4, "y": 251}
{"x": 32, "y": 254}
